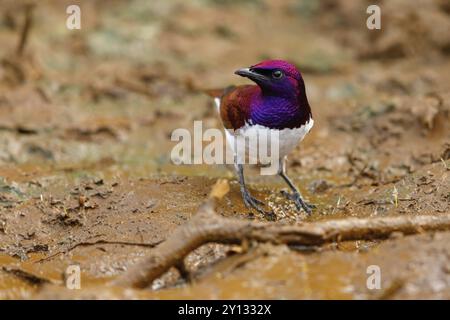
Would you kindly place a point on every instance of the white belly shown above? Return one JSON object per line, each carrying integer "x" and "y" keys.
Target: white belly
{"x": 240, "y": 140}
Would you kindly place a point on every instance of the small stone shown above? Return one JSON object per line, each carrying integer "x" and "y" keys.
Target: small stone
{"x": 319, "y": 186}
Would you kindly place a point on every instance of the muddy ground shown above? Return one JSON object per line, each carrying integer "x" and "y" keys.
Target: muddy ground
{"x": 85, "y": 123}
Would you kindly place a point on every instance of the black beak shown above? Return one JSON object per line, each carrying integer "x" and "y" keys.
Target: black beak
{"x": 251, "y": 74}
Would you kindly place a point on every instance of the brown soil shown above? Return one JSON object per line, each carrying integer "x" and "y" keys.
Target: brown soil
{"x": 85, "y": 124}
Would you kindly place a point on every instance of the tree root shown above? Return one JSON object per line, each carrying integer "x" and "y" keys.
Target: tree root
{"x": 207, "y": 226}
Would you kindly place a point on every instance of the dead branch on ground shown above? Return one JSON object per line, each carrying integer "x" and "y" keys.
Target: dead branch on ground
{"x": 207, "y": 226}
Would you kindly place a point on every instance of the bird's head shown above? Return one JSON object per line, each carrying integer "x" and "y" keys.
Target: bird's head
{"x": 275, "y": 77}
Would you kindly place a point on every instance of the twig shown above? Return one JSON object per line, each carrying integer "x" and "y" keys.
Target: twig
{"x": 394, "y": 287}
{"x": 133, "y": 86}
{"x": 25, "y": 31}
{"x": 101, "y": 241}
{"x": 27, "y": 276}
{"x": 207, "y": 226}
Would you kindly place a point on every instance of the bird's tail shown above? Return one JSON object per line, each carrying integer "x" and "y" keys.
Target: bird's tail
{"x": 218, "y": 93}
{"x": 214, "y": 93}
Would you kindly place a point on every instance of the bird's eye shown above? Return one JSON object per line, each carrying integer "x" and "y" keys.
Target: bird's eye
{"x": 277, "y": 74}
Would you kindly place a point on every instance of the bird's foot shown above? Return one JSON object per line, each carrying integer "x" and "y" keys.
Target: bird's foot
{"x": 251, "y": 202}
{"x": 299, "y": 202}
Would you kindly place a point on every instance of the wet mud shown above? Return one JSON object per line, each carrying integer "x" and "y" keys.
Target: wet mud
{"x": 86, "y": 119}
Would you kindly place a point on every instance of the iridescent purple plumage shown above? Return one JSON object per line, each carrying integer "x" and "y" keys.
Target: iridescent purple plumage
{"x": 281, "y": 103}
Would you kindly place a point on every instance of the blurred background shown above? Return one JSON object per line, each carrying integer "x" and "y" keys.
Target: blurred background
{"x": 87, "y": 114}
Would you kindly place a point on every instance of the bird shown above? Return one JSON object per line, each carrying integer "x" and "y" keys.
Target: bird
{"x": 276, "y": 103}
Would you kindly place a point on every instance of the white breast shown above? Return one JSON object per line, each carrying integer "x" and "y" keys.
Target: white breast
{"x": 287, "y": 138}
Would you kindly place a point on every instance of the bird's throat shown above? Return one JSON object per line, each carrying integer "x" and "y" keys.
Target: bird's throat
{"x": 280, "y": 112}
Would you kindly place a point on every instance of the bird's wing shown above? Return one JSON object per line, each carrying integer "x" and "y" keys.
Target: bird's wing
{"x": 234, "y": 105}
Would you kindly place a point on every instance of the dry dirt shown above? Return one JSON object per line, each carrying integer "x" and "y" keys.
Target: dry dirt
{"x": 85, "y": 124}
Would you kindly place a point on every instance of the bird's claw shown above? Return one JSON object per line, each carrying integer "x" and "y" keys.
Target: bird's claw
{"x": 254, "y": 203}
{"x": 299, "y": 202}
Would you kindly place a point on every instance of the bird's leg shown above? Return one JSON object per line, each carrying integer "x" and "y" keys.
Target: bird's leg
{"x": 295, "y": 195}
{"x": 249, "y": 200}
